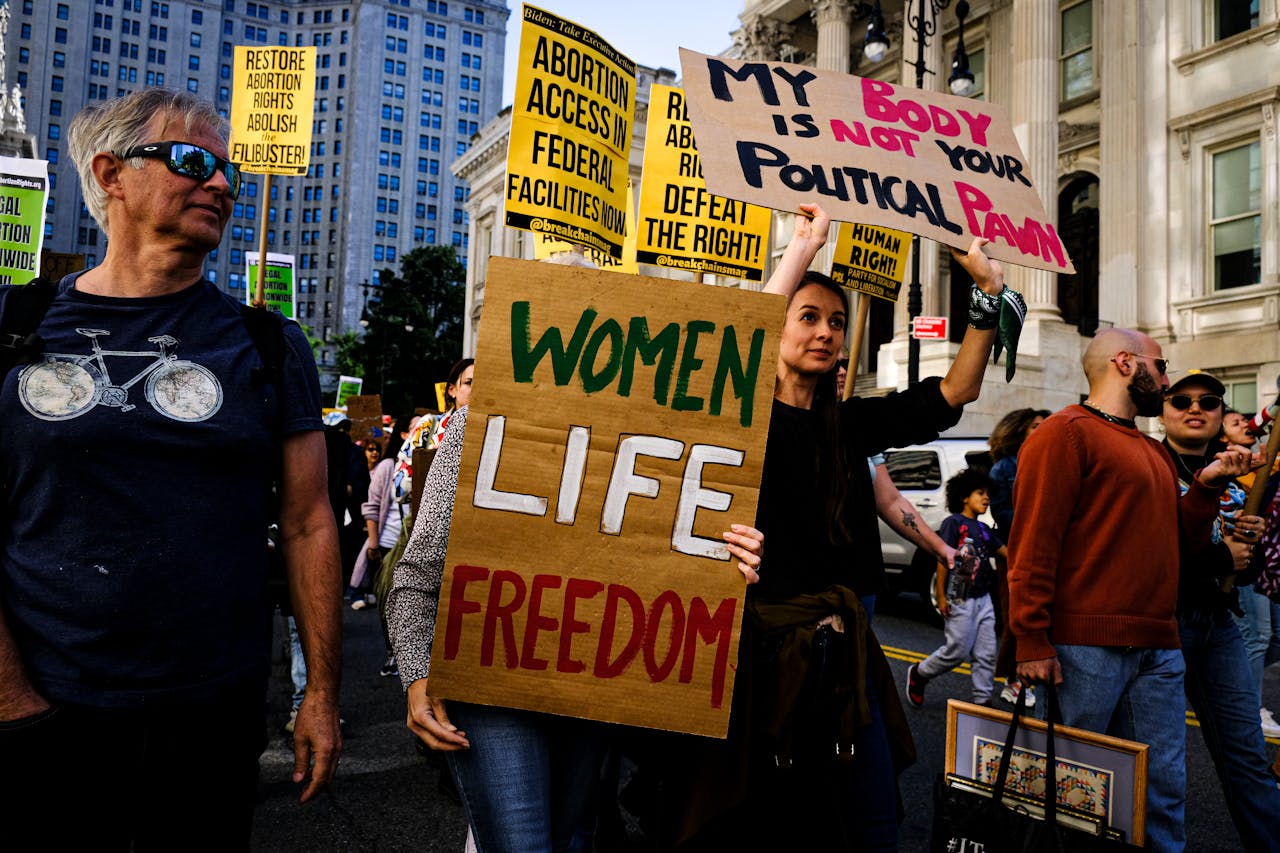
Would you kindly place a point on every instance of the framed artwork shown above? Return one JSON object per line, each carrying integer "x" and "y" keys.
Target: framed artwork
{"x": 1096, "y": 774}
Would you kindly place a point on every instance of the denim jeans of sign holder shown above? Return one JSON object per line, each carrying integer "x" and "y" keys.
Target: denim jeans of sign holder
{"x": 1136, "y": 694}
{"x": 1220, "y": 689}
{"x": 528, "y": 780}
{"x": 1260, "y": 627}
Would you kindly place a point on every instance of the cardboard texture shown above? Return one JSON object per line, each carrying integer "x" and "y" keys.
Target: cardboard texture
{"x": 681, "y": 224}
{"x": 571, "y": 124}
{"x": 871, "y": 260}
{"x": 586, "y": 575}
{"x": 271, "y": 109}
{"x": 365, "y": 413}
{"x": 943, "y": 167}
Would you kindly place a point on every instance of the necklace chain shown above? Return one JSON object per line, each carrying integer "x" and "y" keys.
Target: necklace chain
{"x": 1115, "y": 419}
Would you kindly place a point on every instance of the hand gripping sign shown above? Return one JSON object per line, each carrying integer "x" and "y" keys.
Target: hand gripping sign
{"x": 617, "y": 427}
{"x": 943, "y": 167}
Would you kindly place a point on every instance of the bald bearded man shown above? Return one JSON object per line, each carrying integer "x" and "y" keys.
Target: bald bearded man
{"x": 1093, "y": 565}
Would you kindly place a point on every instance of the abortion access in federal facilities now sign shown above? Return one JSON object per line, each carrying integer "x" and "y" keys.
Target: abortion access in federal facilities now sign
{"x": 617, "y": 427}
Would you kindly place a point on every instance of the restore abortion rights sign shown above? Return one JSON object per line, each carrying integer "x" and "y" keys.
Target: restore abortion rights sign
{"x": 617, "y": 428}
{"x": 943, "y": 167}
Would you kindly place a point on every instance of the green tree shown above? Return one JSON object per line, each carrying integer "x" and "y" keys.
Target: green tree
{"x": 415, "y": 330}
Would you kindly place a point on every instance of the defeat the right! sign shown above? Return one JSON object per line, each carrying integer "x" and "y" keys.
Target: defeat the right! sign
{"x": 943, "y": 167}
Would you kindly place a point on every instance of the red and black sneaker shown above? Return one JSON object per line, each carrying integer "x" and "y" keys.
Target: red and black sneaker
{"x": 915, "y": 687}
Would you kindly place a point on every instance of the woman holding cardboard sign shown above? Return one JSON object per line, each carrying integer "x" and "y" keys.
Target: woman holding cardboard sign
{"x": 527, "y": 779}
{"x": 817, "y": 731}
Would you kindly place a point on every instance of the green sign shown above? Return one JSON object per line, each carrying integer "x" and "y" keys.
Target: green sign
{"x": 348, "y": 386}
{"x": 24, "y": 185}
{"x": 278, "y": 289}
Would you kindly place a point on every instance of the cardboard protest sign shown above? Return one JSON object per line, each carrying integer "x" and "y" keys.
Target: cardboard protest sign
{"x": 570, "y": 134}
{"x": 280, "y": 291}
{"x": 366, "y": 418}
{"x": 943, "y": 167}
{"x": 617, "y": 428}
{"x": 681, "y": 224}
{"x": 271, "y": 109}
{"x": 871, "y": 260}
{"x": 24, "y": 186}
{"x": 55, "y": 265}
{"x": 348, "y": 387}
{"x": 544, "y": 245}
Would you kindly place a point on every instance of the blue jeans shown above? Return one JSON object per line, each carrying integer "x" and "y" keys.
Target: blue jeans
{"x": 1260, "y": 627}
{"x": 529, "y": 780}
{"x": 297, "y": 666}
{"x": 1136, "y": 694}
{"x": 1220, "y": 690}
{"x": 971, "y": 636}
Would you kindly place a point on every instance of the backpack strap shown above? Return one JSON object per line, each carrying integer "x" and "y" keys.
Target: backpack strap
{"x": 266, "y": 330}
{"x": 24, "y": 309}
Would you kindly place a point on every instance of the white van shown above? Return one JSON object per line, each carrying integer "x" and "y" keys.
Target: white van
{"x": 921, "y": 472}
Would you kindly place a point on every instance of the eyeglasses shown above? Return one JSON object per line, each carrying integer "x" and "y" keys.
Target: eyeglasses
{"x": 1182, "y": 402}
{"x": 1162, "y": 364}
{"x": 190, "y": 161}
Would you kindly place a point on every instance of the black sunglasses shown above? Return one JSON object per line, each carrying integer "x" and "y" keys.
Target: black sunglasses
{"x": 190, "y": 161}
{"x": 1208, "y": 402}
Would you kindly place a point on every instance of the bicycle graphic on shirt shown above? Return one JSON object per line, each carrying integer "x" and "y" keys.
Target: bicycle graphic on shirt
{"x": 65, "y": 385}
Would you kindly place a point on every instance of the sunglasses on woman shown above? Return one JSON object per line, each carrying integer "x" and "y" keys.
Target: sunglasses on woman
{"x": 1208, "y": 402}
{"x": 190, "y": 161}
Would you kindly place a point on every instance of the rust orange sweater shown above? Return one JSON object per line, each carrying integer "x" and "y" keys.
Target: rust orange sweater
{"x": 1097, "y": 526}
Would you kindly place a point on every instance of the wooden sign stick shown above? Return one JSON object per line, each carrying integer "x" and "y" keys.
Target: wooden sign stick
{"x": 855, "y": 349}
{"x": 260, "y": 291}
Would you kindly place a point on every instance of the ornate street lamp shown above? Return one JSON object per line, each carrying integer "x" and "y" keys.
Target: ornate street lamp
{"x": 923, "y": 21}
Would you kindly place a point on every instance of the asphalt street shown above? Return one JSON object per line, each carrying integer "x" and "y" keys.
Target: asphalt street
{"x": 386, "y": 796}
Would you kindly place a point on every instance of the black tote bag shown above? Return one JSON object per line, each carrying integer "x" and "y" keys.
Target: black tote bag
{"x": 973, "y": 817}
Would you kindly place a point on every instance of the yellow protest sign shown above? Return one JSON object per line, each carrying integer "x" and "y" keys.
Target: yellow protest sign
{"x": 617, "y": 427}
{"x": 271, "y": 109}
{"x": 871, "y": 260}
{"x": 570, "y": 134}
{"x": 681, "y": 224}
{"x": 943, "y": 167}
{"x": 544, "y": 245}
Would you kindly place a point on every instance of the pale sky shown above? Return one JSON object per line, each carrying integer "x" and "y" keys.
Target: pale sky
{"x": 648, "y": 32}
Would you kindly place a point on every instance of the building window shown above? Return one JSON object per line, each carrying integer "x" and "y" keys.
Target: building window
{"x": 1235, "y": 226}
{"x": 1232, "y": 16}
{"x": 1077, "y": 50}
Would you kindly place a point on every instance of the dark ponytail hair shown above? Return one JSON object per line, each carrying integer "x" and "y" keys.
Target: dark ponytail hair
{"x": 455, "y": 373}
{"x": 832, "y": 463}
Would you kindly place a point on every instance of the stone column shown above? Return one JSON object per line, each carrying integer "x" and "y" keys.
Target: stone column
{"x": 918, "y": 17}
{"x": 1120, "y": 146}
{"x": 835, "y": 41}
{"x": 1034, "y": 112}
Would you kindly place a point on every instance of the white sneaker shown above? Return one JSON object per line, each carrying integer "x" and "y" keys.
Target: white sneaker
{"x": 1270, "y": 728}
{"x": 1011, "y": 690}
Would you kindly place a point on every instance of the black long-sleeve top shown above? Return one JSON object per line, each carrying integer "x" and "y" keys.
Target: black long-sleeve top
{"x": 800, "y": 555}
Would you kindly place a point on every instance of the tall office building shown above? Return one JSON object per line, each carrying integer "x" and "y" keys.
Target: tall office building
{"x": 401, "y": 87}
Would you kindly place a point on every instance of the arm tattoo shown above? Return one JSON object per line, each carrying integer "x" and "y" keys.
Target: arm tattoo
{"x": 909, "y": 520}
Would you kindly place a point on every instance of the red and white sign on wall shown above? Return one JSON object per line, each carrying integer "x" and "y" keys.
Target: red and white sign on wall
{"x": 930, "y": 328}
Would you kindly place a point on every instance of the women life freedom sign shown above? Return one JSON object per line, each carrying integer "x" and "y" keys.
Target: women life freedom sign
{"x": 616, "y": 429}
{"x": 943, "y": 167}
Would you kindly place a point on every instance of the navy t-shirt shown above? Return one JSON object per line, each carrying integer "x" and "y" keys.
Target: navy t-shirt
{"x": 985, "y": 543}
{"x": 139, "y": 458}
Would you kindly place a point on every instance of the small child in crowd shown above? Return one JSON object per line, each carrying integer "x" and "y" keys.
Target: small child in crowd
{"x": 964, "y": 594}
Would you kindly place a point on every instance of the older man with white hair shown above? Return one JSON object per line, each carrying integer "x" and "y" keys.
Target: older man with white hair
{"x": 146, "y": 448}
